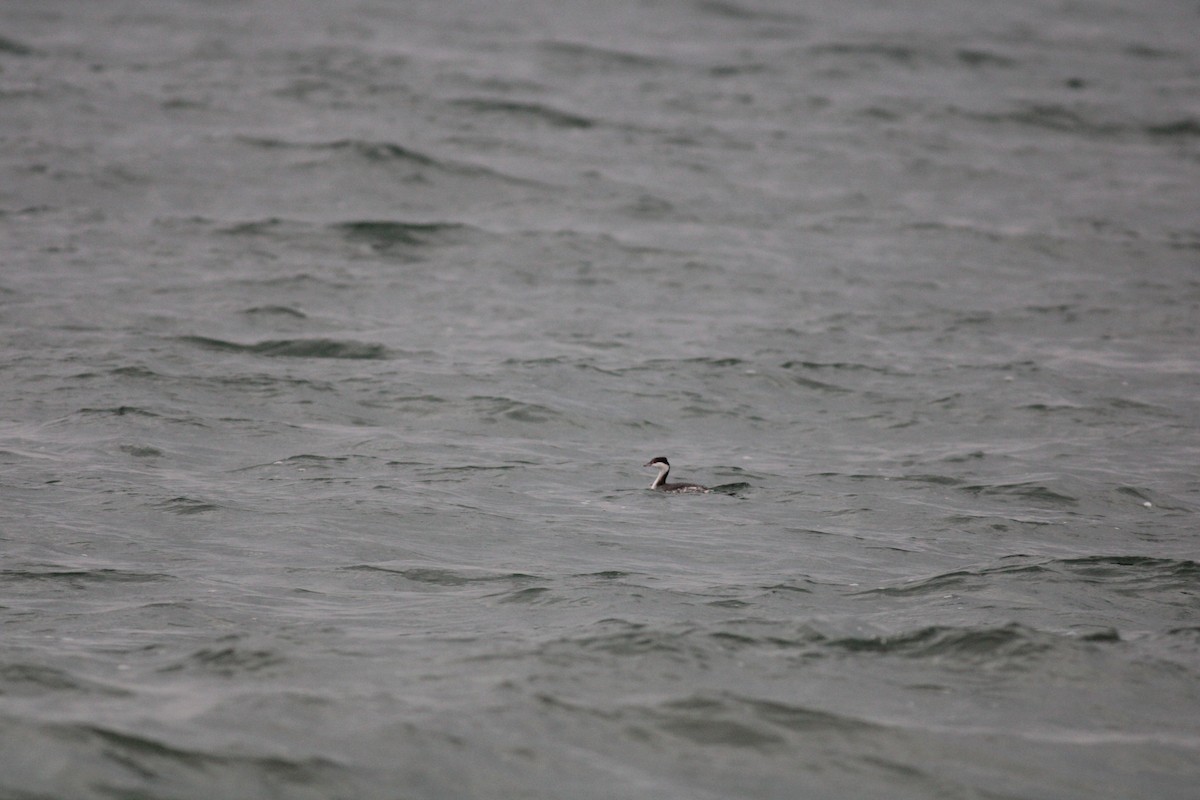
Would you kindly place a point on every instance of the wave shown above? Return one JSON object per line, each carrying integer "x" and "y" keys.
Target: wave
{"x": 275, "y": 311}
{"x": 144, "y": 413}
{"x": 532, "y": 112}
{"x": 443, "y": 576}
{"x": 1009, "y": 642}
{"x": 267, "y": 226}
{"x": 590, "y": 58}
{"x": 20, "y": 679}
{"x": 1140, "y": 575}
{"x": 121, "y": 411}
{"x": 391, "y": 237}
{"x": 723, "y": 719}
{"x": 819, "y": 386}
{"x": 633, "y": 639}
{"x": 295, "y": 348}
{"x": 150, "y": 764}
{"x": 1025, "y": 491}
{"x": 686, "y": 712}
{"x": 1011, "y": 646}
{"x": 80, "y": 577}
{"x": 1183, "y": 127}
{"x": 403, "y": 231}
{"x": 1119, "y": 573}
{"x": 498, "y": 409}
{"x": 228, "y": 661}
{"x": 848, "y": 366}
{"x": 938, "y": 584}
{"x": 698, "y": 644}
{"x": 187, "y": 506}
{"x": 377, "y": 153}
{"x": 738, "y": 11}
{"x": 368, "y": 150}
{"x": 12, "y": 47}
{"x": 141, "y": 451}
{"x": 388, "y": 234}
{"x": 900, "y": 53}
{"x": 1065, "y": 119}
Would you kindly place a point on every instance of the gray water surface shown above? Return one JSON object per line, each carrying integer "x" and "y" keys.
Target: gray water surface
{"x": 335, "y": 334}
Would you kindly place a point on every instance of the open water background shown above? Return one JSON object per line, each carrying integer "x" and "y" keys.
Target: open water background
{"x": 334, "y": 336}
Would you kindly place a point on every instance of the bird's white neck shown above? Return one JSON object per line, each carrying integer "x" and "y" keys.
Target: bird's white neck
{"x": 663, "y": 469}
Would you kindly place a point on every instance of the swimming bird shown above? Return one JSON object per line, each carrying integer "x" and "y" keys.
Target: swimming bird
{"x": 660, "y": 483}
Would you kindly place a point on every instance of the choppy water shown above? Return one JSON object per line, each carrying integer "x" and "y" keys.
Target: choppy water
{"x": 335, "y": 334}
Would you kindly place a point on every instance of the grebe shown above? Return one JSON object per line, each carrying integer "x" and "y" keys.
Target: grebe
{"x": 660, "y": 483}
